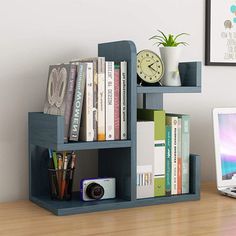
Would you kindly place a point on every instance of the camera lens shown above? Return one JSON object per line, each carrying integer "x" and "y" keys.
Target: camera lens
{"x": 95, "y": 191}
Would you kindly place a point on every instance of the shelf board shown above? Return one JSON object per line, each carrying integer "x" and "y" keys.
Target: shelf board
{"x": 76, "y": 206}
{"x": 162, "y": 89}
{"x": 86, "y": 145}
{"x": 167, "y": 199}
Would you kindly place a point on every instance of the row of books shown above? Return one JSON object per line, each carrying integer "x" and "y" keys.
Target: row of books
{"x": 91, "y": 94}
{"x": 162, "y": 153}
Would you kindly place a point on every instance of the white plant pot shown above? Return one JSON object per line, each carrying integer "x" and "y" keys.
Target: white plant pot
{"x": 170, "y": 57}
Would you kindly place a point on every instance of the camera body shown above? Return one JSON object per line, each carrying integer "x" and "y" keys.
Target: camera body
{"x": 98, "y": 189}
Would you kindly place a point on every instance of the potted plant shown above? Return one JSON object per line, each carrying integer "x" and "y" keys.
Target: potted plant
{"x": 170, "y": 54}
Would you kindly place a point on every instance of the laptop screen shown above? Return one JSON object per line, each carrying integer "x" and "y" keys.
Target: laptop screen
{"x": 227, "y": 145}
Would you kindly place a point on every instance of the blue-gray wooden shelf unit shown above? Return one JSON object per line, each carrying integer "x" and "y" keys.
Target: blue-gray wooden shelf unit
{"x": 115, "y": 158}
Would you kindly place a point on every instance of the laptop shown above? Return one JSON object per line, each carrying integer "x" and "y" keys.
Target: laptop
{"x": 224, "y": 121}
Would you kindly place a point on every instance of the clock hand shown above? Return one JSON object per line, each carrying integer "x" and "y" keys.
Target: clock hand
{"x": 152, "y": 69}
{"x": 152, "y": 64}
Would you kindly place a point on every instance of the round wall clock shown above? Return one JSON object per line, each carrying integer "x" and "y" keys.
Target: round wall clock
{"x": 150, "y": 68}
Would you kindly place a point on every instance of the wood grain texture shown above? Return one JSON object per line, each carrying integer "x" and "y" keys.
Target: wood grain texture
{"x": 212, "y": 215}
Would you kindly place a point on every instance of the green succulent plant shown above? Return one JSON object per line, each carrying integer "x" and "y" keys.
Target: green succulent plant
{"x": 168, "y": 40}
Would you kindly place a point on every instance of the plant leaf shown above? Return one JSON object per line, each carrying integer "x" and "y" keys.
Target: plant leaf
{"x": 180, "y": 35}
{"x": 163, "y": 35}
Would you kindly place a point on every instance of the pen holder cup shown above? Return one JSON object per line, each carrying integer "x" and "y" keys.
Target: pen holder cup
{"x": 60, "y": 183}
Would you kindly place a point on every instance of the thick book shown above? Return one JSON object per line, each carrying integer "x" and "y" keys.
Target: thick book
{"x": 123, "y": 99}
{"x": 179, "y": 157}
{"x": 117, "y": 101}
{"x": 145, "y": 159}
{"x": 173, "y": 122}
{"x": 168, "y": 160}
{"x": 78, "y": 102}
{"x": 109, "y": 100}
{"x": 87, "y": 128}
{"x": 60, "y": 92}
{"x": 158, "y": 116}
{"x": 185, "y": 152}
{"x": 94, "y": 60}
{"x": 101, "y": 99}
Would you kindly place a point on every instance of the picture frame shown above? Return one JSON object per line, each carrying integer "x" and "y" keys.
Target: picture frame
{"x": 220, "y": 35}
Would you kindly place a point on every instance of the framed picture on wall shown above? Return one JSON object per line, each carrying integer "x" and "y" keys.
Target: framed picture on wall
{"x": 220, "y": 33}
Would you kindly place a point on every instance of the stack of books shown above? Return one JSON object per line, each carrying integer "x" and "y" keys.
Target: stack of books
{"x": 167, "y": 164}
{"x": 91, "y": 94}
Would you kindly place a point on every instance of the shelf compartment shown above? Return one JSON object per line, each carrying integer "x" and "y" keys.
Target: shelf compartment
{"x": 48, "y": 131}
{"x": 190, "y": 74}
{"x": 40, "y": 189}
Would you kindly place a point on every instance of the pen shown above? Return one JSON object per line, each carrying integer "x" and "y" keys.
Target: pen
{"x": 72, "y": 166}
{"x": 63, "y": 184}
{"x": 60, "y": 165}
{"x": 54, "y": 156}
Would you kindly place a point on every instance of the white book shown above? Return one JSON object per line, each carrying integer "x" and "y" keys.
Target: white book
{"x": 110, "y": 134}
{"x": 145, "y": 159}
{"x": 87, "y": 132}
{"x": 123, "y": 99}
{"x": 101, "y": 99}
{"x": 173, "y": 121}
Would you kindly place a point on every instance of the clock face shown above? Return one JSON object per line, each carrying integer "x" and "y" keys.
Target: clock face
{"x": 149, "y": 66}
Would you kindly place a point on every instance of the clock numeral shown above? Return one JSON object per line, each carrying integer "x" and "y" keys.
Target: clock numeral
{"x": 139, "y": 61}
{"x": 147, "y": 55}
{"x": 158, "y": 72}
{"x": 141, "y": 72}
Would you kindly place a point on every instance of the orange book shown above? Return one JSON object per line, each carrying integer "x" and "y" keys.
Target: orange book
{"x": 179, "y": 176}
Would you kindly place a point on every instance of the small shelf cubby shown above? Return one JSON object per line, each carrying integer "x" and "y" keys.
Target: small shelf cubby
{"x": 115, "y": 158}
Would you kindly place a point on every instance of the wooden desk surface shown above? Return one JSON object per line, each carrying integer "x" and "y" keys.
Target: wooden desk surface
{"x": 212, "y": 215}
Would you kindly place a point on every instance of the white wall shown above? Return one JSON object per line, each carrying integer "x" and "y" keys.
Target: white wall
{"x": 35, "y": 34}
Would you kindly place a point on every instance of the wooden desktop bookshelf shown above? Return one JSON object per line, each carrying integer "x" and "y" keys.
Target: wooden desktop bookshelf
{"x": 115, "y": 158}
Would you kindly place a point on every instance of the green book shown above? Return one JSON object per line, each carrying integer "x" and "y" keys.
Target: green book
{"x": 158, "y": 116}
{"x": 168, "y": 160}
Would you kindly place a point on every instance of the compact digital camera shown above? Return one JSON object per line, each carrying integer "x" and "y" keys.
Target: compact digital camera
{"x": 98, "y": 189}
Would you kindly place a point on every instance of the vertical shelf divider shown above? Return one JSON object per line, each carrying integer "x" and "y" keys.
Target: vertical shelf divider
{"x": 125, "y": 51}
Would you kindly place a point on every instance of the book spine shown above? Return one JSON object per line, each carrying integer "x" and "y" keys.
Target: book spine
{"x": 123, "y": 99}
{"x": 174, "y": 155}
{"x": 87, "y": 132}
{"x": 69, "y": 101}
{"x": 179, "y": 158}
{"x": 145, "y": 159}
{"x": 101, "y": 99}
{"x": 159, "y": 153}
{"x": 95, "y": 100}
{"x": 173, "y": 121}
{"x": 89, "y": 103}
{"x": 168, "y": 160}
{"x": 78, "y": 103}
{"x": 185, "y": 153}
{"x": 109, "y": 100}
{"x": 159, "y": 168}
{"x": 117, "y": 101}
